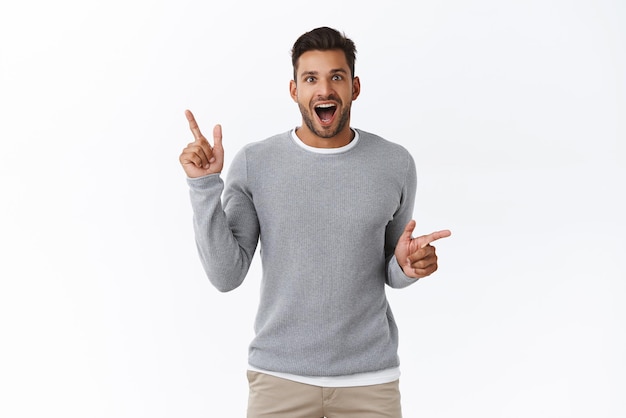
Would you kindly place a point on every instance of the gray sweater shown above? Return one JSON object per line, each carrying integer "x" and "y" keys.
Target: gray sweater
{"x": 328, "y": 225}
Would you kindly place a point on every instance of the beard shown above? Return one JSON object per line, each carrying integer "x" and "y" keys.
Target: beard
{"x": 324, "y": 132}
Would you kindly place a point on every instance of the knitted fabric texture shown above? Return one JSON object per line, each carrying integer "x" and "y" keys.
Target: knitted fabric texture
{"x": 327, "y": 225}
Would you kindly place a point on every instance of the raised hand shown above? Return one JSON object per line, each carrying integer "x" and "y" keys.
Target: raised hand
{"x": 199, "y": 158}
{"x": 415, "y": 255}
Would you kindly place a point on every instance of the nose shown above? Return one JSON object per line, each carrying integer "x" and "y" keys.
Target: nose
{"x": 325, "y": 88}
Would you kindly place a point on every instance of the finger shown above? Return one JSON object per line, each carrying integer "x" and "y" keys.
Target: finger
{"x": 427, "y": 271}
{"x": 205, "y": 151}
{"x": 423, "y": 258}
{"x": 197, "y": 154}
{"x": 193, "y": 125}
{"x": 421, "y": 254}
{"x": 424, "y": 240}
{"x": 191, "y": 158}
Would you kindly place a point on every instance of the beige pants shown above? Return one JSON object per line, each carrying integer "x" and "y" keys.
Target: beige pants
{"x": 280, "y": 398}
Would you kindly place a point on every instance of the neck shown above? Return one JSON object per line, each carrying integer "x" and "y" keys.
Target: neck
{"x": 342, "y": 138}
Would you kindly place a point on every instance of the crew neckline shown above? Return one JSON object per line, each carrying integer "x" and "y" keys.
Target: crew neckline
{"x": 316, "y": 150}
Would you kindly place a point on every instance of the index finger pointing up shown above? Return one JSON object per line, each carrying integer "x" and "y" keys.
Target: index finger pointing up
{"x": 424, "y": 240}
{"x": 193, "y": 125}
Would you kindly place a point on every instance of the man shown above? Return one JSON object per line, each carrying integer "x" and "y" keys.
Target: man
{"x": 331, "y": 207}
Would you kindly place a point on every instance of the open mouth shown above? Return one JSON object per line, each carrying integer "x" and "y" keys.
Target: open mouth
{"x": 325, "y": 112}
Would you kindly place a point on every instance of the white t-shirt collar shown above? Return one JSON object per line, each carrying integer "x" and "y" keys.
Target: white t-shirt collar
{"x": 339, "y": 150}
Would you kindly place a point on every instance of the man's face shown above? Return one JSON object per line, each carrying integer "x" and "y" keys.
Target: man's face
{"x": 324, "y": 90}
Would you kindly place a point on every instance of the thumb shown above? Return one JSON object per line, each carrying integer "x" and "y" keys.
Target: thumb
{"x": 218, "y": 149}
{"x": 403, "y": 247}
{"x": 408, "y": 230}
{"x": 217, "y": 136}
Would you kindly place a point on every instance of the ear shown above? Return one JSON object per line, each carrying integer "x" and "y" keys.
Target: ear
{"x": 356, "y": 87}
{"x": 293, "y": 90}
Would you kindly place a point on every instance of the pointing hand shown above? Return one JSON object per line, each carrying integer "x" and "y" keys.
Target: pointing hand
{"x": 199, "y": 158}
{"x": 415, "y": 255}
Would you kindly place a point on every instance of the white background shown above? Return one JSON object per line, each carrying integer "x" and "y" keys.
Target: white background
{"x": 514, "y": 112}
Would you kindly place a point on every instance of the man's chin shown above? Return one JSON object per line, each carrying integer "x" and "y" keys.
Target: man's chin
{"x": 326, "y": 132}
{"x": 323, "y": 131}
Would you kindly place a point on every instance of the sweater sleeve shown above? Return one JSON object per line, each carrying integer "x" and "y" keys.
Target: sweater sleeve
{"x": 226, "y": 233}
{"x": 395, "y": 276}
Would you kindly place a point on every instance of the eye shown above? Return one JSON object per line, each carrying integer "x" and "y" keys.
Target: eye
{"x": 309, "y": 79}
{"x": 337, "y": 77}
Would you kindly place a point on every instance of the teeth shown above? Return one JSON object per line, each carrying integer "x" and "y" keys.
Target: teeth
{"x": 325, "y": 106}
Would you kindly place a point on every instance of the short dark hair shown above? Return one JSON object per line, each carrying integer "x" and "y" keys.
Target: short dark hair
{"x": 323, "y": 39}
